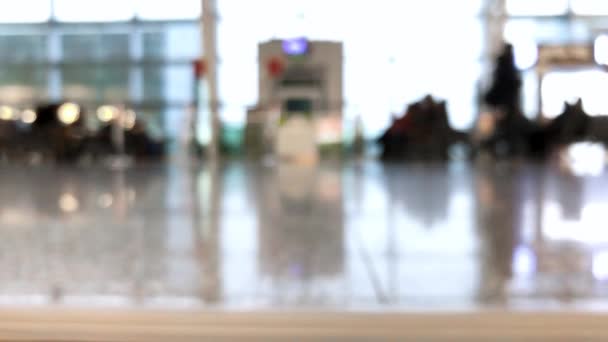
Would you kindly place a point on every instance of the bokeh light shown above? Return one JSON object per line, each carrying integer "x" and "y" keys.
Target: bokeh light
{"x": 129, "y": 119}
{"x": 68, "y": 113}
{"x": 68, "y": 203}
{"x": 107, "y": 113}
{"x": 7, "y": 113}
{"x": 29, "y": 116}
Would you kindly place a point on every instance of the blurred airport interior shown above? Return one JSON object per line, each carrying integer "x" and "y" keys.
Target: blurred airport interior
{"x": 333, "y": 167}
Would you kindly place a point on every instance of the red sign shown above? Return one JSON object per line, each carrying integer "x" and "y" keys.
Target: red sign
{"x": 275, "y": 67}
{"x": 200, "y": 68}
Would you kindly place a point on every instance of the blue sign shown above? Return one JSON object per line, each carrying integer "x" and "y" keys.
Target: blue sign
{"x": 295, "y": 47}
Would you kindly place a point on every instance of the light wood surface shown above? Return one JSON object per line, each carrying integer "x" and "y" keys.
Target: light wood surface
{"x": 108, "y": 326}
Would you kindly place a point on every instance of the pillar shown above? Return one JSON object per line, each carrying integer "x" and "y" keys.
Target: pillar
{"x": 209, "y": 48}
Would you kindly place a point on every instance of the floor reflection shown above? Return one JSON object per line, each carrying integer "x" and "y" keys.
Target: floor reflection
{"x": 331, "y": 236}
{"x": 500, "y": 192}
{"x": 300, "y": 231}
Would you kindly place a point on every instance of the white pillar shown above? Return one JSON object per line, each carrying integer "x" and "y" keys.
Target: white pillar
{"x": 494, "y": 14}
{"x": 493, "y": 19}
{"x": 209, "y": 45}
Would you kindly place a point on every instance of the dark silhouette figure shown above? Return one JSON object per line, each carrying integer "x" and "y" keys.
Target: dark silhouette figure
{"x": 517, "y": 135}
{"x": 423, "y": 132}
{"x": 513, "y": 130}
{"x": 138, "y": 143}
{"x": 571, "y": 126}
{"x": 504, "y": 93}
{"x": 51, "y": 137}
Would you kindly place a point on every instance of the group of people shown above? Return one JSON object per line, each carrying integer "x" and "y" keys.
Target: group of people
{"x": 48, "y": 138}
{"x": 424, "y": 130}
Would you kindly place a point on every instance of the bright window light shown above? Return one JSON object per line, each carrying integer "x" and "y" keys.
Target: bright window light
{"x": 100, "y": 11}
{"x": 525, "y": 47}
{"x": 373, "y": 69}
{"x": 586, "y": 159}
{"x": 526, "y": 53}
{"x": 25, "y": 11}
{"x": 536, "y": 7}
{"x": 568, "y": 86}
{"x": 168, "y": 9}
{"x": 589, "y": 7}
{"x": 601, "y": 49}
{"x": 600, "y": 265}
{"x": 589, "y": 230}
{"x": 524, "y": 261}
{"x": 94, "y": 11}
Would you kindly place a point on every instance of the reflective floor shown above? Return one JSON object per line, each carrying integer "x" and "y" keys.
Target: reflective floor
{"x": 341, "y": 235}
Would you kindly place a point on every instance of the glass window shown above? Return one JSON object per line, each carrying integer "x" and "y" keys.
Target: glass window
{"x": 168, "y": 83}
{"x": 96, "y": 11}
{"x": 96, "y": 83}
{"x": 168, "y": 9}
{"x": 183, "y": 41}
{"x": 154, "y": 44}
{"x": 537, "y": 7}
{"x": 154, "y": 120}
{"x": 98, "y": 61}
{"x": 19, "y": 49}
{"x": 175, "y": 41}
{"x": 153, "y": 84}
{"x": 524, "y": 30}
{"x": 25, "y": 11}
{"x": 176, "y": 122}
{"x": 589, "y": 7}
{"x": 23, "y": 84}
{"x": 95, "y": 47}
{"x": 179, "y": 83}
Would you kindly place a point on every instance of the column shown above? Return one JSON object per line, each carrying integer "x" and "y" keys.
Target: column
{"x": 209, "y": 45}
{"x": 494, "y": 13}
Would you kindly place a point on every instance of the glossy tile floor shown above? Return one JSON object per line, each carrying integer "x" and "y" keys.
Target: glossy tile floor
{"x": 337, "y": 236}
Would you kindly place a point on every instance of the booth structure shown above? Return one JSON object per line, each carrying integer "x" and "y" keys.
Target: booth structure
{"x": 300, "y": 99}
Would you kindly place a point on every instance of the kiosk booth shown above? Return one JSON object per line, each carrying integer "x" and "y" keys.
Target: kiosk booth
{"x": 299, "y": 107}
